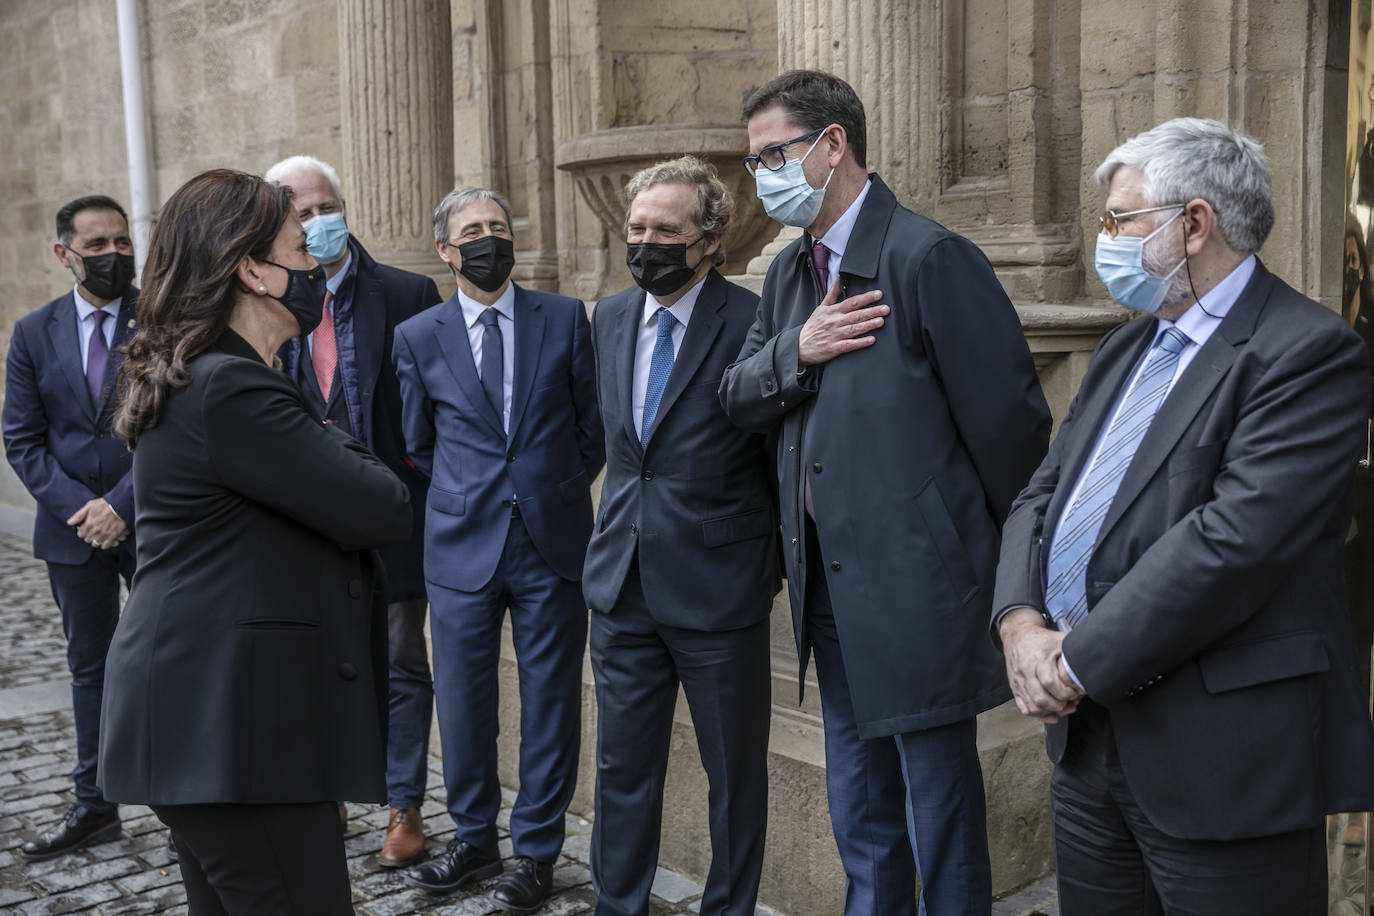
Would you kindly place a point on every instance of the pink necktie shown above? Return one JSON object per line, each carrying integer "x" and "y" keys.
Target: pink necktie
{"x": 326, "y": 353}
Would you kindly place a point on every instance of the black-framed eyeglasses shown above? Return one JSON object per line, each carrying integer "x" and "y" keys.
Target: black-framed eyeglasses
{"x": 772, "y": 157}
{"x": 1111, "y": 220}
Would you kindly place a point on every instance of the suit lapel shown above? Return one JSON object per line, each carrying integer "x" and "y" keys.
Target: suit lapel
{"x": 451, "y": 331}
{"x": 629, "y": 335}
{"x": 701, "y": 332}
{"x": 369, "y": 332}
{"x": 1190, "y": 392}
{"x": 66, "y": 344}
{"x": 529, "y": 344}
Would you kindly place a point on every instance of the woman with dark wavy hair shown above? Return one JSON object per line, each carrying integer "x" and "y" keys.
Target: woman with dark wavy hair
{"x": 245, "y": 688}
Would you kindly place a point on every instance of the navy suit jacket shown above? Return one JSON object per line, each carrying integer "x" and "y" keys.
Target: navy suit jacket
{"x": 1218, "y": 635}
{"x": 553, "y": 451}
{"x": 61, "y": 446}
{"x": 696, "y": 504}
{"x": 383, "y": 297}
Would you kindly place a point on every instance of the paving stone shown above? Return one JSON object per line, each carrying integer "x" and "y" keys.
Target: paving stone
{"x": 673, "y": 887}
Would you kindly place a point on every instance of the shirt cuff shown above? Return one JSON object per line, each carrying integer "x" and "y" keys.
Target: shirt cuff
{"x": 1068, "y": 669}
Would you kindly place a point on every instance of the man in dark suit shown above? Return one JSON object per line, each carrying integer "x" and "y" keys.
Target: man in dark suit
{"x": 890, "y": 366}
{"x": 1169, "y": 594}
{"x": 344, "y": 370}
{"x": 499, "y": 393}
{"x": 60, "y": 378}
{"x": 683, "y": 566}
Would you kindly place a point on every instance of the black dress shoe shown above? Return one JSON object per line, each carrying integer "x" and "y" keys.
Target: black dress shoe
{"x": 526, "y": 888}
{"x": 454, "y": 867}
{"x": 80, "y": 826}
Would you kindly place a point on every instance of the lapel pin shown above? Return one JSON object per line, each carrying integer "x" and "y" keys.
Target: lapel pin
{"x": 131, "y": 322}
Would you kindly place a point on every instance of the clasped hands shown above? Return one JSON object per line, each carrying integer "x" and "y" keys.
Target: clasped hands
{"x": 1035, "y": 666}
{"x": 837, "y": 327}
{"x": 97, "y": 524}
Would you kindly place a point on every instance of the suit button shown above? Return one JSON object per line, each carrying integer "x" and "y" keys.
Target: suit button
{"x": 816, "y": 467}
{"x": 791, "y": 448}
{"x": 835, "y": 565}
{"x": 355, "y": 588}
{"x": 347, "y": 671}
{"x": 648, "y": 475}
{"x": 510, "y": 457}
{"x": 794, "y": 540}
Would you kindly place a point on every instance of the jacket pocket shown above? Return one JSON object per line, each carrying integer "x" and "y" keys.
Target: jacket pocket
{"x": 447, "y": 501}
{"x": 275, "y": 623}
{"x": 574, "y": 488}
{"x": 1276, "y": 659}
{"x": 945, "y": 538}
{"x": 727, "y": 529}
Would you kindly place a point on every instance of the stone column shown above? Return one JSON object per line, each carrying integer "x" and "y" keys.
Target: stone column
{"x": 396, "y": 93}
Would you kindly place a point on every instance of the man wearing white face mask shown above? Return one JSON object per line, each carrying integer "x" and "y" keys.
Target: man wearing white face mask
{"x": 344, "y": 369}
{"x": 1169, "y": 593}
{"x": 890, "y": 368}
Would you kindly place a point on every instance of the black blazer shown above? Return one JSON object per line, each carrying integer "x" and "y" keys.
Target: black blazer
{"x": 1218, "y": 636}
{"x": 59, "y": 445}
{"x": 697, "y": 503}
{"x": 250, "y": 661}
{"x": 916, "y": 447}
{"x": 383, "y": 297}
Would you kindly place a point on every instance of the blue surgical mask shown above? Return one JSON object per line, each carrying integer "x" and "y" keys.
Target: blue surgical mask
{"x": 326, "y": 237}
{"x": 1121, "y": 267}
{"x": 786, "y": 194}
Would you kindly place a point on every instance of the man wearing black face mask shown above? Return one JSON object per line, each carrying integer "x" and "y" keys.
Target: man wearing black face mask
{"x": 683, "y": 566}
{"x": 59, "y": 397}
{"x": 499, "y": 408}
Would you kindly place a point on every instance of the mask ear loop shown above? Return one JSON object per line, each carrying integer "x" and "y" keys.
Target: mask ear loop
{"x": 1187, "y": 269}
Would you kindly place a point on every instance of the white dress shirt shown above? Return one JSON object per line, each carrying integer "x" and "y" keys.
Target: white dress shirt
{"x": 648, "y": 336}
{"x": 1197, "y": 323}
{"x": 836, "y": 238}
{"x": 505, "y": 320}
{"x": 85, "y": 323}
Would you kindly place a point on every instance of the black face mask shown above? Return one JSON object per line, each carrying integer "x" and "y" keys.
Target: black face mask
{"x": 1351, "y": 283}
{"x": 107, "y": 275}
{"x": 487, "y": 261}
{"x": 659, "y": 268}
{"x": 304, "y": 296}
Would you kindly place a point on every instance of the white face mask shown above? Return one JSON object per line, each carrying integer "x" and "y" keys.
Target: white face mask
{"x": 786, "y": 194}
{"x": 1120, "y": 264}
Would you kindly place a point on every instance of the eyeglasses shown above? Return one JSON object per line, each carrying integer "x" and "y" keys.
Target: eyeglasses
{"x": 772, "y": 158}
{"x": 1111, "y": 220}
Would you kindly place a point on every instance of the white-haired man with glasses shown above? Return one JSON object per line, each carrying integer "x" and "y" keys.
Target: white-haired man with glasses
{"x": 1169, "y": 594}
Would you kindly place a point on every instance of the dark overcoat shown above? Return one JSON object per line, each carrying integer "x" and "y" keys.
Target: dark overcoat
{"x": 916, "y": 447}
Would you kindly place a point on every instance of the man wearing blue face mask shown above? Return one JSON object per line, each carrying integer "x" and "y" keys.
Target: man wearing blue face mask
{"x": 344, "y": 369}
{"x": 1169, "y": 593}
{"x": 890, "y": 367}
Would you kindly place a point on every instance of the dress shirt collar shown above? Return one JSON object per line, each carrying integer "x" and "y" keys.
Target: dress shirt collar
{"x": 84, "y": 308}
{"x": 836, "y": 237}
{"x": 681, "y": 309}
{"x": 472, "y": 309}
{"x": 1203, "y": 317}
{"x": 336, "y": 281}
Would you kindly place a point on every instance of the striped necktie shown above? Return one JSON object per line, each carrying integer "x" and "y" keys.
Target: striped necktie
{"x": 1076, "y": 535}
{"x": 660, "y": 365}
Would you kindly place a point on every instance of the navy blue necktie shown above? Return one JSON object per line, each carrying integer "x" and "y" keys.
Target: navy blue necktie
{"x": 1076, "y": 535}
{"x": 660, "y": 365}
{"x": 493, "y": 372}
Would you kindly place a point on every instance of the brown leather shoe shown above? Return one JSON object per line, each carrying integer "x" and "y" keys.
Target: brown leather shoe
{"x": 405, "y": 841}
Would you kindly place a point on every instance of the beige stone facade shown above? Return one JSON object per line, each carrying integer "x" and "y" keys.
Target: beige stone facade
{"x": 987, "y": 115}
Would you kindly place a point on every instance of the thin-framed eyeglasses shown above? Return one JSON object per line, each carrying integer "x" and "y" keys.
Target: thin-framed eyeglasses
{"x": 772, "y": 157}
{"x": 1111, "y": 220}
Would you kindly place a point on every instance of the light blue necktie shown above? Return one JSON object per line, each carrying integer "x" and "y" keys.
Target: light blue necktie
{"x": 660, "y": 364}
{"x": 1077, "y": 532}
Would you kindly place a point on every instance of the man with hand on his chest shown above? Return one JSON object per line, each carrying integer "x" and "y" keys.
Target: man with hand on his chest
{"x": 344, "y": 369}
{"x": 683, "y": 566}
{"x": 60, "y": 393}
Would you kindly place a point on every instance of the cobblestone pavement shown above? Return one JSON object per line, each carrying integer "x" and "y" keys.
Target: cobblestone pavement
{"x": 135, "y": 875}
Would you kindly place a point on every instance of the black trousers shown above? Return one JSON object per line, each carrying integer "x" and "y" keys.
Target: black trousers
{"x": 1113, "y": 862}
{"x": 261, "y": 860}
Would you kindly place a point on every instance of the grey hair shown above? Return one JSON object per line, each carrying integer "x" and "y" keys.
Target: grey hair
{"x": 458, "y": 199}
{"x": 713, "y": 207}
{"x": 305, "y": 164}
{"x": 1188, "y": 158}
